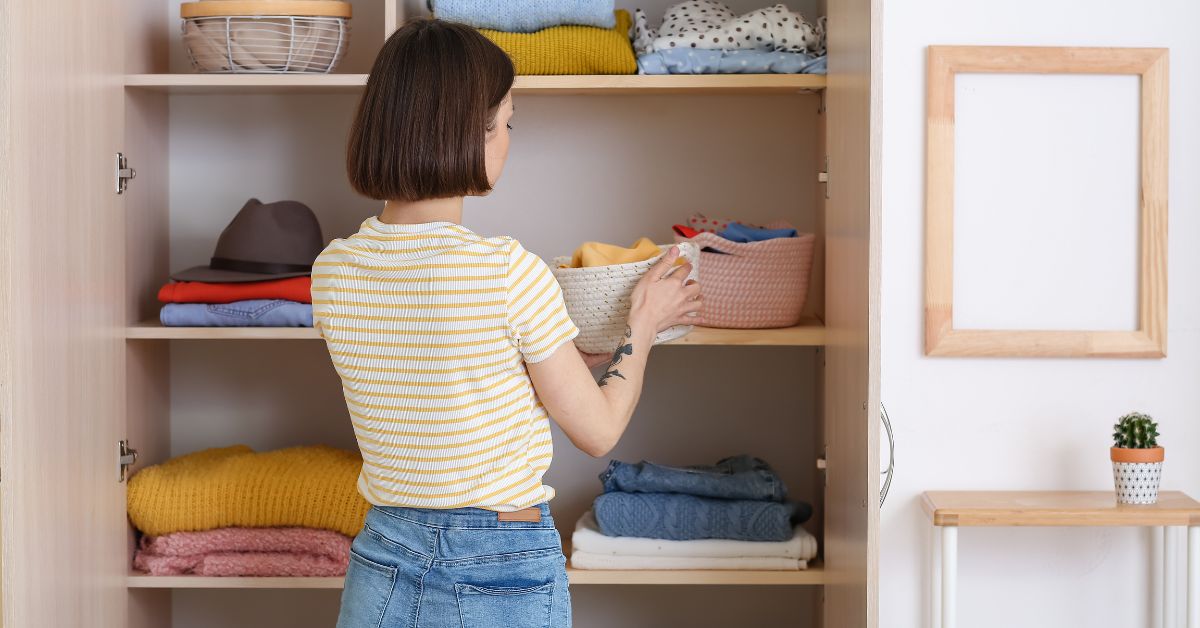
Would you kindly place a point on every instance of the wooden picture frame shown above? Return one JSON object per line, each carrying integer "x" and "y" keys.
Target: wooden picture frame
{"x": 1149, "y": 340}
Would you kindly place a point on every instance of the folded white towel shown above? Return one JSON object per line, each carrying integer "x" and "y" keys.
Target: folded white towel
{"x": 588, "y": 560}
{"x": 588, "y": 539}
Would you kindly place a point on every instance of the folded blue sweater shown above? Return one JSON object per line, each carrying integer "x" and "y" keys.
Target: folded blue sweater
{"x": 686, "y": 517}
{"x": 525, "y": 16}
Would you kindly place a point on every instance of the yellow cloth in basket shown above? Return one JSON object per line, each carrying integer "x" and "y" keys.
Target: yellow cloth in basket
{"x": 311, "y": 487}
{"x": 570, "y": 49}
{"x": 591, "y": 254}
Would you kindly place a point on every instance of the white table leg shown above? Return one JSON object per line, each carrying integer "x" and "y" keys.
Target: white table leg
{"x": 1170, "y": 578}
{"x": 935, "y": 578}
{"x": 1157, "y": 617}
{"x": 949, "y": 575}
{"x": 1193, "y": 577}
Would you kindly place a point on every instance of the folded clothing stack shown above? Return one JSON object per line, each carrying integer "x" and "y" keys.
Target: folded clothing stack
{"x": 245, "y": 552}
{"x": 278, "y": 303}
{"x": 732, "y": 231}
{"x": 562, "y": 37}
{"x": 731, "y": 515}
{"x": 260, "y": 274}
{"x": 705, "y": 37}
{"x": 592, "y": 549}
{"x": 234, "y": 512}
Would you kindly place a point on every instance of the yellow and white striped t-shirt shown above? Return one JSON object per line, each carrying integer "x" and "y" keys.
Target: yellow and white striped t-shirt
{"x": 429, "y": 326}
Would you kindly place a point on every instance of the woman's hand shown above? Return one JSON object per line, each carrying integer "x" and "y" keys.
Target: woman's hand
{"x": 664, "y": 297}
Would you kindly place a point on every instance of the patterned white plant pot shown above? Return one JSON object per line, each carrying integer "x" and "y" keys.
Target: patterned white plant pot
{"x": 1136, "y": 474}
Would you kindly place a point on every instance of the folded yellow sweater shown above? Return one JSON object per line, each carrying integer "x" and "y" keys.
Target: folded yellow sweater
{"x": 570, "y": 49}
{"x": 591, "y": 254}
{"x": 311, "y": 487}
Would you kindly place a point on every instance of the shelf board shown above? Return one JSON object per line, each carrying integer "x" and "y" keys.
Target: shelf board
{"x": 136, "y": 580}
{"x": 812, "y": 576}
{"x": 809, "y": 332}
{"x": 563, "y": 85}
{"x": 152, "y": 330}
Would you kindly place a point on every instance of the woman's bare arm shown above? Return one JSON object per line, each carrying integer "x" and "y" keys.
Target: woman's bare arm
{"x": 594, "y": 414}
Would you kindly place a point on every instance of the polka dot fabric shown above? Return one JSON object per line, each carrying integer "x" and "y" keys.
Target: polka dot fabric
{"x": 705, "y": 24}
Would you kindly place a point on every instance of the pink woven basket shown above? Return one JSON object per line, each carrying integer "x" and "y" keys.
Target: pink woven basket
{"x": 750, "y": 285}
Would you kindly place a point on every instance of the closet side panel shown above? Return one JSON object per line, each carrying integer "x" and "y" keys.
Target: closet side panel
{"x": 62, "y": 343}
{"x": 147, "y": 363}
{"x": 852, "y": 316}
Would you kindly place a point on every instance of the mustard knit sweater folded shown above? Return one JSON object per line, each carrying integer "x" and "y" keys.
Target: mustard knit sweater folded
{"x": 310, "y": 487}
{"x": 570, "y": 49}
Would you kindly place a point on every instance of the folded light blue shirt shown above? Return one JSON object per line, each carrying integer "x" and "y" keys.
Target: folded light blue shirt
{"x": 525, "y": 16}
{"x": 251, "y": 313}
{"x": 702, "y": 61}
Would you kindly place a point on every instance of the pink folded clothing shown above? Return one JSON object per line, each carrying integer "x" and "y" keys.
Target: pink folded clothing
{"x": 245, "y": 552}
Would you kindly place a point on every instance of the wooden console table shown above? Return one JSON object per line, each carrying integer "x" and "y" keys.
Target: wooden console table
{"x": 950, "y": 510}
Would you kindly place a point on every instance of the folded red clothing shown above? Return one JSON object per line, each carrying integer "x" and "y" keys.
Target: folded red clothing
{"x": 245, "y": 552}
{"x": 685, "y": 231}
{"x": 297, "y": 289}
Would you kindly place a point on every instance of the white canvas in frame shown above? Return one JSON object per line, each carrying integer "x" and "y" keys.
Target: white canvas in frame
{"x": 1148, "y": 339}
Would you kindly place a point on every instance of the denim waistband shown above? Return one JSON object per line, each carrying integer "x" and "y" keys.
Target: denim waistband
{"x": 463, "y": 517}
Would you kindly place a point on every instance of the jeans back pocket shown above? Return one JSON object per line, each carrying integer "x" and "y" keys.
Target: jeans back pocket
{"x": 369, "y": 587}
{"x": 505, "y": 607}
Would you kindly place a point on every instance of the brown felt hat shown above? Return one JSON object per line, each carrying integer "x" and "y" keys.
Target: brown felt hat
{"x": 263, "y": 242}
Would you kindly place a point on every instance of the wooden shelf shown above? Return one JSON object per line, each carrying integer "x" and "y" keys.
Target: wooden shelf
{"x": 152, "y": 330}
{"x": 564, "y": 85}
{"x": 137, "y": 580}
{"x": 809, "y": 577}
{"x": 1056, "y": 508}
{"x": 809, "y": 333}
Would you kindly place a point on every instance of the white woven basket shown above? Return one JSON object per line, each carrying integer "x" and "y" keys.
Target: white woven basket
{"x": 597, "y": 299}
{"x": 285, "y": 42}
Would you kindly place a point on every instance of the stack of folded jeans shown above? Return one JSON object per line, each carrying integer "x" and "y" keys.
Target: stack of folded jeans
{"x": 731, "y": 515}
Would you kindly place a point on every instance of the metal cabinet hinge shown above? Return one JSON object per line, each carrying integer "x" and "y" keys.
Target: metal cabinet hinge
{"x": 124, "y": 173}
{"x": 822, "y": 464}
{"x": 823, "y": 176}
{"x": 126, "y": 456}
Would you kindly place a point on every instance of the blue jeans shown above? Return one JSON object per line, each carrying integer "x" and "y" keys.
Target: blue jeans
{"x": 460, "y": 568}
{"x": 738, "y": 477}
{"x": 252, "y": 313}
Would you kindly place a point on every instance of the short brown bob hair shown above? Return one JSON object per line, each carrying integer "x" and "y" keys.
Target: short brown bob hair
{"x": 422, "y": 122}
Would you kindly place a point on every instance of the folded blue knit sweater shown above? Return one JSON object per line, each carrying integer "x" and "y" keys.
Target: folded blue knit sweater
{"x": 686, "y": 517}
{"x": 525, "y": 16}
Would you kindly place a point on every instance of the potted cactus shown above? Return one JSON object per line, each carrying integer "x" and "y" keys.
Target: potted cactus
{"x": 1137, "y": 459}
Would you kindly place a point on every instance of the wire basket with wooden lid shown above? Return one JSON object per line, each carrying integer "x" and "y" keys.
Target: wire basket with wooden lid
{"x": 265, "y": 36}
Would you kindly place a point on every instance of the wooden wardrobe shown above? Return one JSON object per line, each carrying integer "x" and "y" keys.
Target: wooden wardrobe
{"x": 84, "y": 367}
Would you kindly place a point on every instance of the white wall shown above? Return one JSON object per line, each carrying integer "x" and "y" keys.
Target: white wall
{"x": 1028, "y": 424}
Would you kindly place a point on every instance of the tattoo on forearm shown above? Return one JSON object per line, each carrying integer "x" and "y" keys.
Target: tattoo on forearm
{"x": 625, "y": 349}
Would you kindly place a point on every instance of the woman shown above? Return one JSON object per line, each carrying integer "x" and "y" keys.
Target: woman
{"x": 454, "y": 349}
